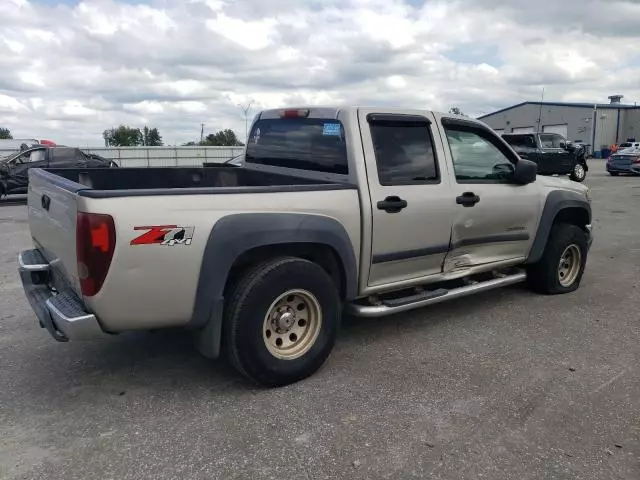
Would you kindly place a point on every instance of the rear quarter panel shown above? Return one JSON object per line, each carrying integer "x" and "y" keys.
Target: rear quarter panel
{"x": 154, "y": 286}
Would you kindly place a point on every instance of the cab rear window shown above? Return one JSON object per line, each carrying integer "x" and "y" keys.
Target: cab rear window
{"x": 316, "y": 144}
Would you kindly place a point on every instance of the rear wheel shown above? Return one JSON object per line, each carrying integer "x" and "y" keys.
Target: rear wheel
{"x": 562, "y": 264}
{"x": 579, "y": 173}
{"x": 613, "y": 174}
{"x": 282, "y": 321}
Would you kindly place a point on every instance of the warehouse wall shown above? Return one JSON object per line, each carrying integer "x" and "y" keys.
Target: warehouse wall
{"x": 606, "y": 127}
{"x": 578, "y": 119}
{"x": 629, "y": 125}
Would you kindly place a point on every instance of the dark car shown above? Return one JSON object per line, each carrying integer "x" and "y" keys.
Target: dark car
{"x": 14, "y": 176}
{"x": 624, "y": 161}
{"x": 551, "y": 152}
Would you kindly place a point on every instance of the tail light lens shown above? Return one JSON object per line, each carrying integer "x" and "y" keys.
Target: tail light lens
{"x": 95, "y": 244}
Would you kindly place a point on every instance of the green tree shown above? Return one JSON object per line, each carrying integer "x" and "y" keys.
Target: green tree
{"x": 151, "y": 137}
{"x": 5, "y": 134}
{"x": 123, "y": 136}
{"x": 222, "y": 138}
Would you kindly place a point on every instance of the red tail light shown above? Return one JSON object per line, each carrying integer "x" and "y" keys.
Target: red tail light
{"x": 95, "y": 244}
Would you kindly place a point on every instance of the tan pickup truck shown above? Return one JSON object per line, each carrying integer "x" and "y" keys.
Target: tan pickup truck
{"x": 371, "y": 211}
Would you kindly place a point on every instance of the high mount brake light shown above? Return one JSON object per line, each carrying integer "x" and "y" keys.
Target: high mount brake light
{"x": 95, "y": 244}
{"x": 295, "y": 113}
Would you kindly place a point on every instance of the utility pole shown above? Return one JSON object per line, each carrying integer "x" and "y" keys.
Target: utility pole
{"x": 201, "y": 132}
{"x": 540, "y": 114}
{"x": 245, "y": 112}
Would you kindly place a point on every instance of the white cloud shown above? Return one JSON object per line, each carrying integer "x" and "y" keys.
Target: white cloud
{"x": 68, "y": 71}
{"x": 252, "y": 35}
{"x": 9, "y": 104}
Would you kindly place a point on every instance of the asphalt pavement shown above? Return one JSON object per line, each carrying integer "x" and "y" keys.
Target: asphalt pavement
{"x": 504, "y": 385}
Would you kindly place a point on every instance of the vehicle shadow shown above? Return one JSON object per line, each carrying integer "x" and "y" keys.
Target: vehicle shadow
{"x": 166, "y": 361}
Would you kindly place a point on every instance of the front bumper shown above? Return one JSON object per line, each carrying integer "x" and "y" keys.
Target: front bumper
{"x": 619, "y": 168}
{"x": 62, "y": 313}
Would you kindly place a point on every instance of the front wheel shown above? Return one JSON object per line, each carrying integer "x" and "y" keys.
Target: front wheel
{"x": 579, "y": 173}
{"x": 282, "y": 321}
{"x": 563, "y": 261}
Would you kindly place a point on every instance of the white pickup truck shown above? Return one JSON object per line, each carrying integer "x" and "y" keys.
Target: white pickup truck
{"x": 372, "y": 211}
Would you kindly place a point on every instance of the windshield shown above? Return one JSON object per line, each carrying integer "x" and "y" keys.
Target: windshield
{"x": 11, "y": 157}
{"x": 306, "y": 143}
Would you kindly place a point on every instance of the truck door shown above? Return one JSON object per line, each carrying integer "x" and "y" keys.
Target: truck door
{"x": 410, "y": 195}
{"x": 556, "y": 158}
{"x": 494, "y": 221}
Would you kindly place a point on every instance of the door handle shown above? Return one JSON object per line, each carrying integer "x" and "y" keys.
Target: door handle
{"x": 467, "y": 199}
{"x": 45, "y": 201}
{"x": 392, "y": 204}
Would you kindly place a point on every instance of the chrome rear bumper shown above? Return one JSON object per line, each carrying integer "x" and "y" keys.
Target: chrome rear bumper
{"x": 62, "y": 313}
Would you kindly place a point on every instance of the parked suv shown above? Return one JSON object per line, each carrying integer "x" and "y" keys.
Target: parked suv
{"x": 551, "y": 152}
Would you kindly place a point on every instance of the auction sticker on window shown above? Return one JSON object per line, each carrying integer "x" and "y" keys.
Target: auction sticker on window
{"x": 331, "y": 129}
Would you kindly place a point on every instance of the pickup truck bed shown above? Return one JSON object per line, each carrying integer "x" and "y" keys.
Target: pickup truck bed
{"x": 118, "y": 182}
{"x": 373, "y": 211}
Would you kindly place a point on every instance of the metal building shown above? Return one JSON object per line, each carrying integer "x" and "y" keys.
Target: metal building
{"x": 599, "y": 125}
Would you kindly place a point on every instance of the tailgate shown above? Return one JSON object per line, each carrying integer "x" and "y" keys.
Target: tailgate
{"x": 52, "y": 221}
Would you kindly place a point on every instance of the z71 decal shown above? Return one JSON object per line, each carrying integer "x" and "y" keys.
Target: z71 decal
{"x": 169, "y": 235}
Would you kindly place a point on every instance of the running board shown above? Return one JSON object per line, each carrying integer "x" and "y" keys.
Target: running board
{"x": 430, "y": 298}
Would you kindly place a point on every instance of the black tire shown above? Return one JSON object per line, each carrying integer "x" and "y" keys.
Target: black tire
{"x": 245, "y": 312}
{"x": 579, "y": 173}
{"x": 614, "y": 174}
{"x": 544, "y": 276}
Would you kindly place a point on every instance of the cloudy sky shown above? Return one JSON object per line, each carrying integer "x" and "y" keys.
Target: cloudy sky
{"x": 70, "y": 69}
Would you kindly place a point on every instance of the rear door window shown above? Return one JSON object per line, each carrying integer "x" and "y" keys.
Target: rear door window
{"x": 404, "y": 150}
{"x": 316, "y": 144}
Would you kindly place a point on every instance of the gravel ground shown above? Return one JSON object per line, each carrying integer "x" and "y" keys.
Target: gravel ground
{"x": 503, "y": 385}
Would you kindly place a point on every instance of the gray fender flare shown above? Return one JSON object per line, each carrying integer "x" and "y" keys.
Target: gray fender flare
{"x": 556, "y": 202}
{"x": 236, "y": 234}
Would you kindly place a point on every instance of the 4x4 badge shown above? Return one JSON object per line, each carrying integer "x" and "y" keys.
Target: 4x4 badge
{"x": 168, "y": 235}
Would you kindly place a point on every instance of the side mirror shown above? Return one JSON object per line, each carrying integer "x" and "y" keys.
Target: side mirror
{"x": 525, "y": 172}
{"x": 563, "y": 145}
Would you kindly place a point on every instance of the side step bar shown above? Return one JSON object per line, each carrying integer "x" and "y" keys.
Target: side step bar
{"x": 430, "y": 298}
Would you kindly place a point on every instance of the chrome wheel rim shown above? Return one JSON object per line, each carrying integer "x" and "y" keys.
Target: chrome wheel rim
{"x": 579, "y": 171}
{"x": 292, "y": 324}
{"x": 569, "y": 266}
